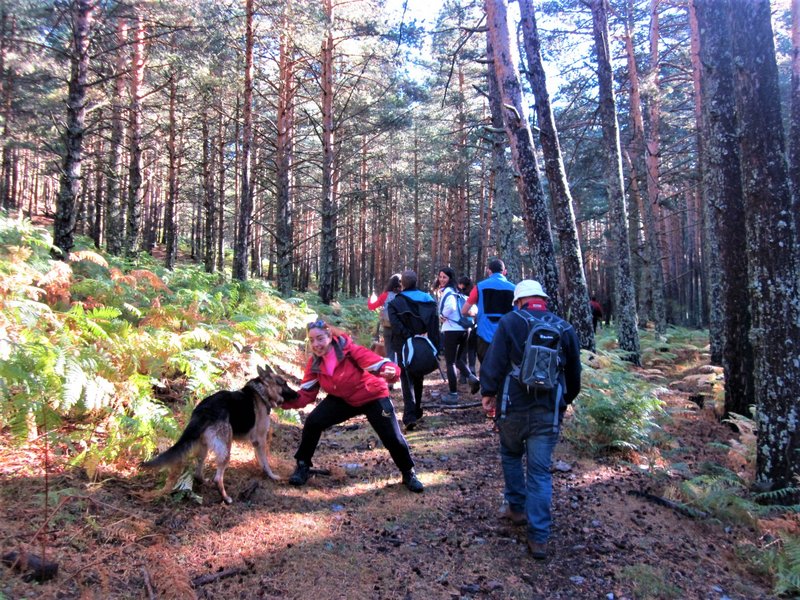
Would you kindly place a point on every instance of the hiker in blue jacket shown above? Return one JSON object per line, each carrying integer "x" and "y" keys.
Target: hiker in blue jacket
{"x": 493, "y": 297}
{"x": 412, "y": 312}
{"x": 528, "y": 419}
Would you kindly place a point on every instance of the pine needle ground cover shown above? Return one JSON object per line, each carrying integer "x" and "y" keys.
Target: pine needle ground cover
{"x": 102, "y": 367}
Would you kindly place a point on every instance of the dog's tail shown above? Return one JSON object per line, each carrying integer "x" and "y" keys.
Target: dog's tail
{"x": 180, "y": 448}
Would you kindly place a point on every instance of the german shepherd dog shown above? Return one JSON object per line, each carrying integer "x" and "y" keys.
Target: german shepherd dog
{"x": 218, "y": 420}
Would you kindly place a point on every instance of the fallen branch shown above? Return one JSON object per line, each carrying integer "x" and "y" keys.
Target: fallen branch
{"x": 148, "y": 584}
{"x": 212, "y": 577}
{"x": 678, "y": 507}
{"x": 459, "y": 406}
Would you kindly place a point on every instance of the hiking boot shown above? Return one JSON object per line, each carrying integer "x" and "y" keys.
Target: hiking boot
{"x": 301, "y": 473}
{"x": 411, "y": 426}
{"x": 506, "y": 513}
{"x": 537, "y": 550}
{"x": 412, "y": 483}
{"x": 474, "y": 384}
{"x": 451, "y": 399}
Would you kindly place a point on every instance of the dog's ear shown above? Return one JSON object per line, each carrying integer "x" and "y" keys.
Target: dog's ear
{"x": 265, "y": 372}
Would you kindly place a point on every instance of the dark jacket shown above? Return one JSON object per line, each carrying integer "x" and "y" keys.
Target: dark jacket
{"x": 506, "y": 351}
{"x": 413, "y": 312}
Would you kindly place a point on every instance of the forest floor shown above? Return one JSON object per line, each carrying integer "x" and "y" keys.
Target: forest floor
{"x": 358, "y": 533}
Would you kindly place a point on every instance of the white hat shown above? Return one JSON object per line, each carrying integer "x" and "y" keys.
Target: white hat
{"x": 528, "y": 287}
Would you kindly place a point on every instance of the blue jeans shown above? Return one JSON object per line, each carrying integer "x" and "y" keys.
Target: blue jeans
{"x": 530, "y": 434}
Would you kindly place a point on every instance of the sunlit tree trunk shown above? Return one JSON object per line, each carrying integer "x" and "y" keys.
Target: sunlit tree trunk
{"x": 576, "y": 302}
{"x": 535, "y": 211}
{"x": 133, "y": 224}
{"x": 207, "y": 170}
{"x": 70, "y": 179}
{"x": 115, "y": 209}
{"x": 624, "y": 297}
{"x": 242, "y": 239}
{"x": 642, "y": 158}
{"x": 771, "y": 245}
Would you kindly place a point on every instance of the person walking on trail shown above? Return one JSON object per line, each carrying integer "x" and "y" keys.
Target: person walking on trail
{"x": 464, "y": 288}
{"x": 374, "y": 302}
{"x": 412, "y": 312}
{"x": 355, "y": 379}
{"x": 597, "y": 312}
{"x": 493, "y": 297}
{"x": 454, "y": 334}
{"x": 529, "y": 416}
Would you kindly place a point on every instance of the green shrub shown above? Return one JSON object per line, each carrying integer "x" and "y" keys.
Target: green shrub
{"x": 616, "y": 410}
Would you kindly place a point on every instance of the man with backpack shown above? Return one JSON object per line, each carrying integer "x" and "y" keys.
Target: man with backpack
{"x": 493, "y": 297}
{"x": 531, "y": 372}
{"x": 414, "y": 318}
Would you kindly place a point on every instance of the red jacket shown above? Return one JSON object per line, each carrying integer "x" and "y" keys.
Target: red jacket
{"x": 354, "y": 378}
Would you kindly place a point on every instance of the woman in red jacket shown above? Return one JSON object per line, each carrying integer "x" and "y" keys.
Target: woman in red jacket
{"x": 355, "y": 380}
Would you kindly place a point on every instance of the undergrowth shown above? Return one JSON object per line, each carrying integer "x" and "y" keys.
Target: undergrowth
{"x": 88, "y": 347}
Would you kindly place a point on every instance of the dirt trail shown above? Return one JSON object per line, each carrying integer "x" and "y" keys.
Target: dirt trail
{"x": 357, "y": 533}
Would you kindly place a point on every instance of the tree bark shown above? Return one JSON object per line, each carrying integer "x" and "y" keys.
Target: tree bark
{"x": 7, "y": 75}
{"x": 242, "y": 239}
{"x": 794, "y": 126}
{"x": 170, "y": 224}
{"x": 771, "y": 246}
{"x": 133, "y": 225}
{"x": 535, "y": 211}
{"x": 284, "y": 239}
{"x": 576, "y": 303}
{"x": 115, "y": 213}
{"x": 500, "y": 188}
{"x": 70, "y": 178}
{"x": 624, "y": 297}
{"x": 643, "y": 157}
{"x": 328, "y": 211}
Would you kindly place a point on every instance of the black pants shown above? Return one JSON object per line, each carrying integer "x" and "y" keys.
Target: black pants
{"x": 380, "y": 414}
{"x": 482, "y": 347}
{"x": 455, "y": 347}
{"x": 412, "y": 397}
{"x": 472, "y": 349}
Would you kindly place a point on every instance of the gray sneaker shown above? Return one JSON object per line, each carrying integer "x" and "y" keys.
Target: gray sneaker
{"x": 450, "y": 399}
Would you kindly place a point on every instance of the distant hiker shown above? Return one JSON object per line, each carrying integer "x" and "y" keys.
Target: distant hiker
{"x": 412, "y": 313}
{"x": 464, "y": 288}
{"x": 493, "y": 297}
{"x": 355, "y": 380}
{"x": 389, "y": 292}
{"x": 529, "y": 414}
{"x": 455, "y": 331}
{"x": 597, "y": 312}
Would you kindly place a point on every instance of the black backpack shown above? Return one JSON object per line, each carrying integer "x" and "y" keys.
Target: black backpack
{"x": 419, "y": 356}
{"x": 542, "y": 356}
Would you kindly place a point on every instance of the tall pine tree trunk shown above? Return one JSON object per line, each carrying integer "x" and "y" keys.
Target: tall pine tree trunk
{"x": 170, "y": 224}
{"x": 722, "y": 188}
{"x": 642, "y": 161}
{"x": 576, "y": 303}
{"x": 133, "y": 226}
{"x": 771, "y": 246}
{"x": 242, "y": 239}
{"x": 328, "y": 264}
{"x": 500, "y": 188}
{"x": 794, "y": 126}
{"x": 115, "y": 213}
{"x": 284, "y": 238}
{"x": 207, "y": 170}
{"x": 70, "y": 178}
{"x": 535, "y": 211}
{"x": 624, "y": 297}
{"x": 7, "y": 77}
